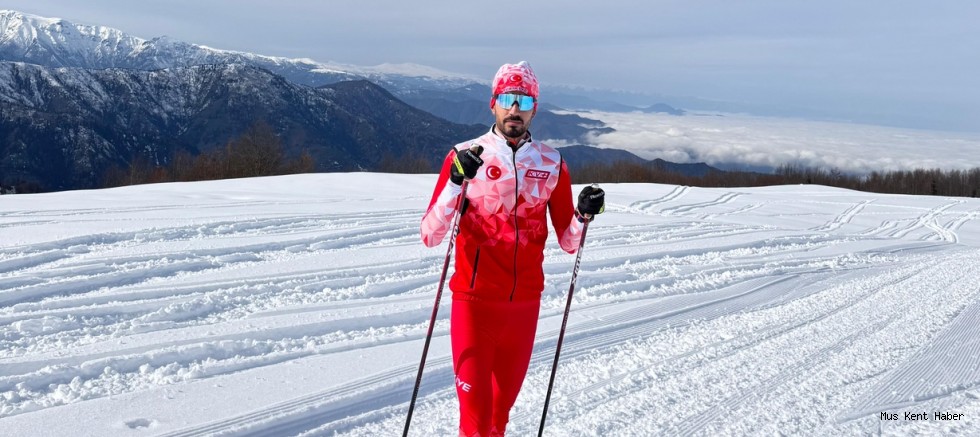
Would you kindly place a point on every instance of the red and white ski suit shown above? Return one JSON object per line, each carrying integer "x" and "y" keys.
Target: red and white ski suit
{"x": 499, "y": 273}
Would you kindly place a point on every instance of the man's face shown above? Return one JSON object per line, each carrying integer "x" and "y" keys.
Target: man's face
{"x": 511, "y": 121}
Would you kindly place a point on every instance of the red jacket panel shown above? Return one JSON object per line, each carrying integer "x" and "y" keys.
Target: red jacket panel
{"x": 503, "y": 230}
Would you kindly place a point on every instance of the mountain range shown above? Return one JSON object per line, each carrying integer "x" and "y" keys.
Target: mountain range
{"x": 77, "y": 99}
{"x": 66, "y": 126}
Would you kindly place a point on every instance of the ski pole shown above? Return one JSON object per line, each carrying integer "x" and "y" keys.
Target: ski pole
{"x": 435, "y": 308}
{"x": 564, "y": 322}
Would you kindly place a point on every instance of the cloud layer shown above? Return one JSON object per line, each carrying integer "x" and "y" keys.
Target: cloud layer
{"x": 752, "y": 142}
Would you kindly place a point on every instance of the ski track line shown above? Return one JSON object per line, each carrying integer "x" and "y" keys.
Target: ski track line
{"x": 581, "y": 348}
{"x": 716, "y": 269}
{"x": 243, "y": 360}
{"x": 896, "y": 228}
{"x": 200, "y": 337}
{"x": 729, "y": 252}
{"x": 208, "y": 228}
{"x": 23, "y": 223}
{"x": 673, "y": 233}
{"x": 942, "y": 233}
{"x": 682, "y": 209}
{"x": 86, "y": 284}
{"x": 138, "y": 294}
{"x": 173, "y": 305}
{"x": 170, "y": 315}
{"x": 290, "y": 415}
{"x": 285, "y": 417}
{"x": 308, "y": 418}
{"x": 588, "y": 341}
{"x": 645, "y": 206}
{"x": 400, "y": 287}
{"x": 332, "y": 404}
{"x": 721, "y": 349}
{"x": 702, "y": 420}
{"x": 922, "y": 220}
{"x": 30, "y": 290}
{"x": 736, "y": 348}
{"x": 138, "y": 209}
{"x": 894, "y": 294}
{"x": 949, "y": 232}
{"x": 905, "y": 351}
{"x": 843, "y": 218}
{"x": 368, "y": 394}
{"x": 917, "y": 375}
{"x": 742, "y": 210}
{"x": 361, "y": 235}
{"x": 638, "y": 320}
{"x": 958, "y": 223}
{"x": 219, "y": 204}
{"x": 35, "y": 259}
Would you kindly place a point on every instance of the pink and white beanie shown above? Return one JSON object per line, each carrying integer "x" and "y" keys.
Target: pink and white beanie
{"x": 515, "y": 77}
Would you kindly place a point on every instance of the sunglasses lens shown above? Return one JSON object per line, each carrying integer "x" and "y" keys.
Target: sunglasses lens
{"x": 506, "y": 100}
{"x": 524, "y": 103}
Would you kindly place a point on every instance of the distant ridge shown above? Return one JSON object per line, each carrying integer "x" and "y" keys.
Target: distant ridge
{"x": 63, "y": 127}
{"x": 578, "y": 156}
{"x": 77, "y": 99}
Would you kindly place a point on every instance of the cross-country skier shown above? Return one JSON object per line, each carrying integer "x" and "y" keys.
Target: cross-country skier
{"x": 513, "y": 181}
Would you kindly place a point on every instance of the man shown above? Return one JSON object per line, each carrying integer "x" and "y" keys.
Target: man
{"x": 512, "y": 182}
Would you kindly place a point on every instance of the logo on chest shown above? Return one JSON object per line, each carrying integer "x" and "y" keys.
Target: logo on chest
{"x": 537, "y": 174}
{"x": 494, "y": 173}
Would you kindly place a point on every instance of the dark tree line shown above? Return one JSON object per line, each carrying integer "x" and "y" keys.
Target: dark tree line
{"x": 257, "y": 152}
{"x": 406, "y": 163}
{"x": 962, "y": 183}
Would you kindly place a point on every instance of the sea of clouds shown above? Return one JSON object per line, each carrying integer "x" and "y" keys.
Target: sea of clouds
{"x": 753, "y": 142}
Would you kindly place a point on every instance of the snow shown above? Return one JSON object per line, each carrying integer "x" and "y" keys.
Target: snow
{"x": 298, "y": 305}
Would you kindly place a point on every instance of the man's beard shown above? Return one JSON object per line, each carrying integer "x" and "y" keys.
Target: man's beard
{"x": 514, "y": 131}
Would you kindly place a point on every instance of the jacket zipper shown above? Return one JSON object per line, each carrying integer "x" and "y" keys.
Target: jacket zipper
{"x": 517, "y": 233}
{"x": 476, "y": 262}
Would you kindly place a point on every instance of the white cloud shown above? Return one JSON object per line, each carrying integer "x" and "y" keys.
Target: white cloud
{"x": 770, "y": 142}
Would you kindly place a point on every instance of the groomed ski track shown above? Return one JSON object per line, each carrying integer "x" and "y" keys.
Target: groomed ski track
{"x": 274, "y": 306}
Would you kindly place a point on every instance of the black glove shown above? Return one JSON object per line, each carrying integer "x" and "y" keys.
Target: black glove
{"x": 591, "y": 201}
{"x": 465, "y": 164}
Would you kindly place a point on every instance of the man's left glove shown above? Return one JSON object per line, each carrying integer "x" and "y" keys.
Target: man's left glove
{"x": 465, "y": 164}
{"x": 591, "y": 201}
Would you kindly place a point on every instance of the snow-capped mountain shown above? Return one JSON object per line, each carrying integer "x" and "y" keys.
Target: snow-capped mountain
{"x": 80, "y": 98}
{"x": 54, "y": 42}
{"x": 63, "y": 127}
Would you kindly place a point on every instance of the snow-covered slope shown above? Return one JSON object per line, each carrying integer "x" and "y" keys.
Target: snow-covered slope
{"x": 58, "y": 43}
{"x": 298, "y": 306}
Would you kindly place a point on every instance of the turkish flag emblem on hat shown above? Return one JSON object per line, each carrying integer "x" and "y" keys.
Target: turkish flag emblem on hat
{"x": 516, "y": 77}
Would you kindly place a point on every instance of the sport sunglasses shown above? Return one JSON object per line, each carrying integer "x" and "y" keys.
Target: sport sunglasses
{"x": 524, "y": 103}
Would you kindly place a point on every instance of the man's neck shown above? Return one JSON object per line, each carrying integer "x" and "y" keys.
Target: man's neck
{"x": 514, "y": 143}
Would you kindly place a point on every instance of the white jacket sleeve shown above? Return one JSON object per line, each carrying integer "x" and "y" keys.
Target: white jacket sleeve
{"x": 442, "y": 207}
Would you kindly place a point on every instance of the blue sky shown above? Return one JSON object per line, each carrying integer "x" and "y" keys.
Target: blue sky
{"x": 904, "y": 63}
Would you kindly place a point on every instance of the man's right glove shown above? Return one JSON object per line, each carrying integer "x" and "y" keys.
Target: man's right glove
{"x": 591, "y": 201}
{"x": 465, "y": 164}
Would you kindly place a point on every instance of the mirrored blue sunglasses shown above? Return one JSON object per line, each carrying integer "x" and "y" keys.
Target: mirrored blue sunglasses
{"x": 524, "y": 103}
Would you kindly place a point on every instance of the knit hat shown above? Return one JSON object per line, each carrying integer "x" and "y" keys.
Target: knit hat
{"x": 515, "y": 77}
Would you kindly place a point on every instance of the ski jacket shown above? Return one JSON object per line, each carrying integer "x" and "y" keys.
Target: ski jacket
{"x": 504, "y": 226}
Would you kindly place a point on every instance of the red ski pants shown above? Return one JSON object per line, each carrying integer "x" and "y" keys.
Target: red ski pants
{"x": 492, "y": 343}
